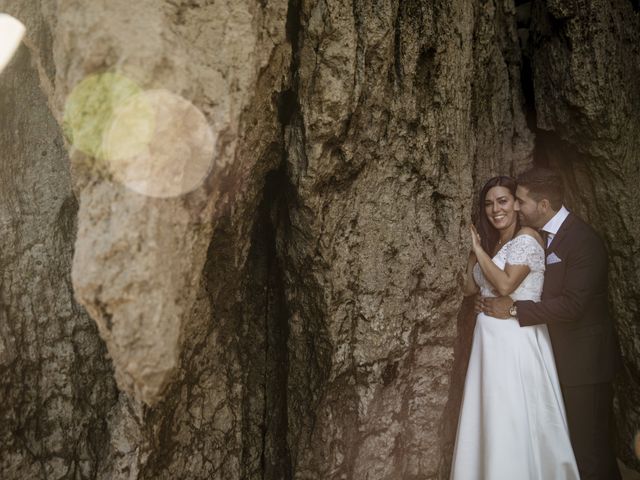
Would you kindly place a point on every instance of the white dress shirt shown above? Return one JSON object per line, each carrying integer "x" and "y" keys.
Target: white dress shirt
{"x": 553, "y": 225}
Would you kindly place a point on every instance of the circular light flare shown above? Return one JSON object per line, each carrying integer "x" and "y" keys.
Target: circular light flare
{"x": 11, "y": 34}
{"x": 153, "y": 141}
{"x": 159, "y": 144}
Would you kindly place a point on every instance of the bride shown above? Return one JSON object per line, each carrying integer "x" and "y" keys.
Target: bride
{"x": 512, "y": 421}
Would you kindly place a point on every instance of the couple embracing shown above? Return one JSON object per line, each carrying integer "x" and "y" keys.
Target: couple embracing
{"x": 537, "y": 400}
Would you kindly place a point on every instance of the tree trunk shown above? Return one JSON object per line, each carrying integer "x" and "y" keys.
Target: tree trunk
{"x": 297, "y": 315}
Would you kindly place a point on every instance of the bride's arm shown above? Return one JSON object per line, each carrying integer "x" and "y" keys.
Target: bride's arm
{"x": 469, "y": 287}
{"x": 504, "y": 281}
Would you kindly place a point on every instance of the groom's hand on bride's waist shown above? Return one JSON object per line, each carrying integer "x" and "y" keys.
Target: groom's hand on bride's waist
{"x": 478, "y": 306}
{"x": 497, "y": 307}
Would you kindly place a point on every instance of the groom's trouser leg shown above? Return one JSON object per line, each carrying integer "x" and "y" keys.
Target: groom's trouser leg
{"x": 590, "y": 417}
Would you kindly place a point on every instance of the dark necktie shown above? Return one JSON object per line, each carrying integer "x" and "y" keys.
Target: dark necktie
{"x": 545, "y": 237}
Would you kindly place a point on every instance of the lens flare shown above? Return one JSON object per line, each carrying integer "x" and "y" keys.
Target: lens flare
{"x": 154, "y": 142}
{"x": 11, "y": 33}
{"x": 159, "y": 144}
{"x": 89, "y": 109}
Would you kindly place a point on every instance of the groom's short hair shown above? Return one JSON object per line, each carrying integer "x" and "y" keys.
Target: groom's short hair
{"x": 543, "y": 183}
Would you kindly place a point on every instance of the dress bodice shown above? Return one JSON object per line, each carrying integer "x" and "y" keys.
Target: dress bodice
{"x": 522, "y": 250}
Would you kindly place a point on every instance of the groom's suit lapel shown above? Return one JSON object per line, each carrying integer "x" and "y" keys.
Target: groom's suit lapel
{"x": 557, "y": 239}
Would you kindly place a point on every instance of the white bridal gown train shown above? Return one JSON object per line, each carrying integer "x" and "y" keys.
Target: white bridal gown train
{"x": 512, "y": 423}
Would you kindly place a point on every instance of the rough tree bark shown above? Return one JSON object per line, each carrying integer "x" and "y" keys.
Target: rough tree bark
{"x": 298, "y": 315}
{"x": 56, "y": 385}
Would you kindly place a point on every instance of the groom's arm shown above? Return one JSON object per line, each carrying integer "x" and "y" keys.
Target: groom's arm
{"x": 584, "y": 279}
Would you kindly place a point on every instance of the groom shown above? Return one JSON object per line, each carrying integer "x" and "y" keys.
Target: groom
{"x": 574, "y": 307}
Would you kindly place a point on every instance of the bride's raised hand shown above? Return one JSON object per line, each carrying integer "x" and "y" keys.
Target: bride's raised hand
{"x": 476, "y": 244}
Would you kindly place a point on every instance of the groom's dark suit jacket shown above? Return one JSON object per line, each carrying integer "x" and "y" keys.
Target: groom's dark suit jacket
{"x": 574, "y": 306}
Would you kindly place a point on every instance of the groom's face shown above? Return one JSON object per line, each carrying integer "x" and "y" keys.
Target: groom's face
{"x": 531, "y": 214}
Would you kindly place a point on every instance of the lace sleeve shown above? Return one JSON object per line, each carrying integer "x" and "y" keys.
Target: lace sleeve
{"x": 525, "y": 250}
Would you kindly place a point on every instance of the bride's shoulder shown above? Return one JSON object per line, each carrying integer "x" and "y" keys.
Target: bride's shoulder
{"x": 530, "y": 232}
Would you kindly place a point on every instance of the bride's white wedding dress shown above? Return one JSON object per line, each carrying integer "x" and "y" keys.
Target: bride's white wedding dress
{"x": 512, "y": 422}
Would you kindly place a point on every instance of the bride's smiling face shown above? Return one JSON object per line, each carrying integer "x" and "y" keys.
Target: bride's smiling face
{"x": 501, "y": 207}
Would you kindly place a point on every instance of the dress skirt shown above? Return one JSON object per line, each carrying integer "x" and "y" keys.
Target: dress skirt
{"x": 512, "y": 421}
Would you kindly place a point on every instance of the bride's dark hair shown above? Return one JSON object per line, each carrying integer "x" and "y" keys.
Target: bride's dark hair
{"x": 488, "y": 234}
